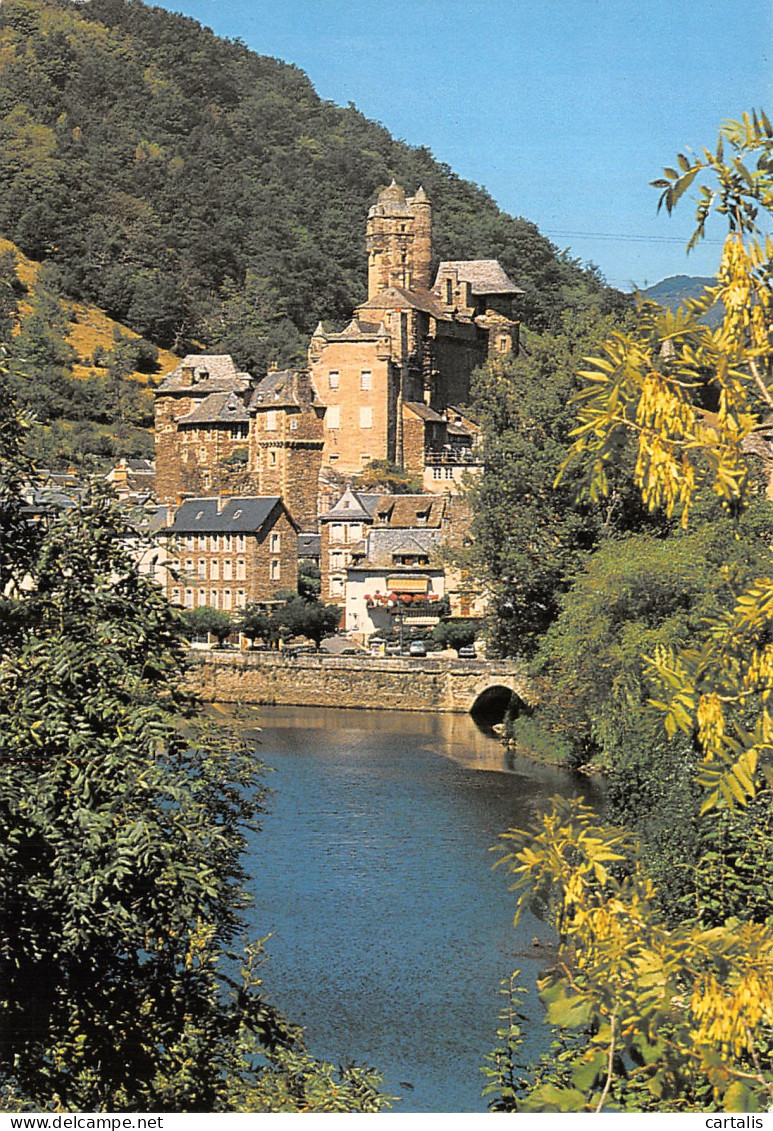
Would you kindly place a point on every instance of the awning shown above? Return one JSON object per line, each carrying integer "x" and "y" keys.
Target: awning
{"x": 407, "y": 584}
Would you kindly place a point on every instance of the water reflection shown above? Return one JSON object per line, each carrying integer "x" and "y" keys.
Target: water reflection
{"x": 391, "y": 930}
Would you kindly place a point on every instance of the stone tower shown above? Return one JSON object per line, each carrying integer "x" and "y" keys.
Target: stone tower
{"x": 398, "y": 241}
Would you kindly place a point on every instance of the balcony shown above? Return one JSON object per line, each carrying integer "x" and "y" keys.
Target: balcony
{"x": 450, "y": 456}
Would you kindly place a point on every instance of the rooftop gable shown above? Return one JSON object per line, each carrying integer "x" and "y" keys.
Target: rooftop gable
{"x": 217, "y": 408}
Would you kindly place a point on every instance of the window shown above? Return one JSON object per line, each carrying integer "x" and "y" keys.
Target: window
{"x": 226, "y": 598}
{"x": 202, "y": 596}
{"x": 449, "y": 473}
{"x": 214, "y": 542}
{"x": 227, "y": 542}
{"x": 272, "y": 458}
{"x": 276, "y": 570}
{"x": 366, "y": 417}
{"x": 240, "y": 601}
{"x": 227, "y": 569}
{"x": 175, "y": 596}
{"x": 207, "y": 480}
{"x": 213, "y": 598}
{"x": 189, "y": 598}
{"x": 189, "y": 565}
{"x": 366, "y": 458}
{"x": 293, "y": 425}
{"x": 337, "y": 532}
{"x": 188, "y": 541}
{"x": 337, "y": 560}
{"x": 336, "y": 586}
{"x": 333, "y": 416}
{"x": 437, "y": 472}
{"x": 241, "y": 570}
{"x": 276, "y": 542}
{"x": 271, "y": 421}
{"x": 202, "y": 541}
{"x": 449, "y": 292}
{"x": 202, "y": 567}
{"x": 332, "y": 379}
{"x": 366, "y": 380}
{"x": 214, "y": 570}
{"x": 241, "y": 542}
{"x": 354, "y": 532}
{"x": 202, "y": 453}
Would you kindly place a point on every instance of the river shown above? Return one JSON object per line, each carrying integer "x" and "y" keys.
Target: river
{"x": 391, "y": 931}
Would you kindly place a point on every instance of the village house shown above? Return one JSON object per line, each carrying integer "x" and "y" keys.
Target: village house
{"x": 343, "y": 528}
{"x": 399, "y": 575}
{"x": 229, "y": 552}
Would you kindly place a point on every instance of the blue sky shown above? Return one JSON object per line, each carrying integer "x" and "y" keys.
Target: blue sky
{"x": 564, "y": 110}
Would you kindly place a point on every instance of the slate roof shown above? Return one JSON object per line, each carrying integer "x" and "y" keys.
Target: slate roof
{"x": 424, "y": 411}
{"x": 212, "y": 372}
{"x": 309, "y": 545}
{"x": 383, "y": 545}
{"x": 217, "y": 408}
{"x": 278, "y": 389}
{"x": 409, "y": 511}
{"x": 357, "y": 328}
{"x": 395, "y": 297}
{"x": 242, "y": 514}
{"x": 486, "y": 276}
{"x": 362, "y": 505}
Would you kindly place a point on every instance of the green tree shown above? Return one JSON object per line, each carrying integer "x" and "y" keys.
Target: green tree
{"x": 308, "y": 618}
{"x": 256, "y": 623}
{"x": 529, "y": 539}
{"x": 633, "y": 595}
{"x": 309, "y": 579}
{"x": 206, "y": 621}
{"x": 654, "y": 1016}
{"x": 122, "y": 823}
{"x": 456, "y": 633}
{"x": 383, "y": 475}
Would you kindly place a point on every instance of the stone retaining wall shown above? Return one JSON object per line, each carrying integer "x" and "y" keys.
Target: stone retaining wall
{"x": 406, "y": 684}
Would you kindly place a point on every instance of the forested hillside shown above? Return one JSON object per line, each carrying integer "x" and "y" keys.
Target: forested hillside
{"x": 199, "y": 192}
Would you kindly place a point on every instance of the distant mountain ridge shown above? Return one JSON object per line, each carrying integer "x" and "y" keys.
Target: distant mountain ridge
{"x": 673, "y": 291}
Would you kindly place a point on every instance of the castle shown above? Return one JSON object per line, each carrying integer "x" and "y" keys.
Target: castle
{"x": 387, "y": 387}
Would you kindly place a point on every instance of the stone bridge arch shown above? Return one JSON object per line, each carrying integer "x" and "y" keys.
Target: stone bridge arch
{"x": 488, "y": 691}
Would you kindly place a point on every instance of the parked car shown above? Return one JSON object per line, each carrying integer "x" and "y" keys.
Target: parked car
{"x": 393, "y": 649}
{"x": 467, "y": 652}
{"x": 417, "y": 648}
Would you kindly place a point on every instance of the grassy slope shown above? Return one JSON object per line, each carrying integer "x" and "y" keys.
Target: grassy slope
{"x": 90, "y": 328}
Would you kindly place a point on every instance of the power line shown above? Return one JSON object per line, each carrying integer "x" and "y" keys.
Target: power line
{"x": 623, "y": 238}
